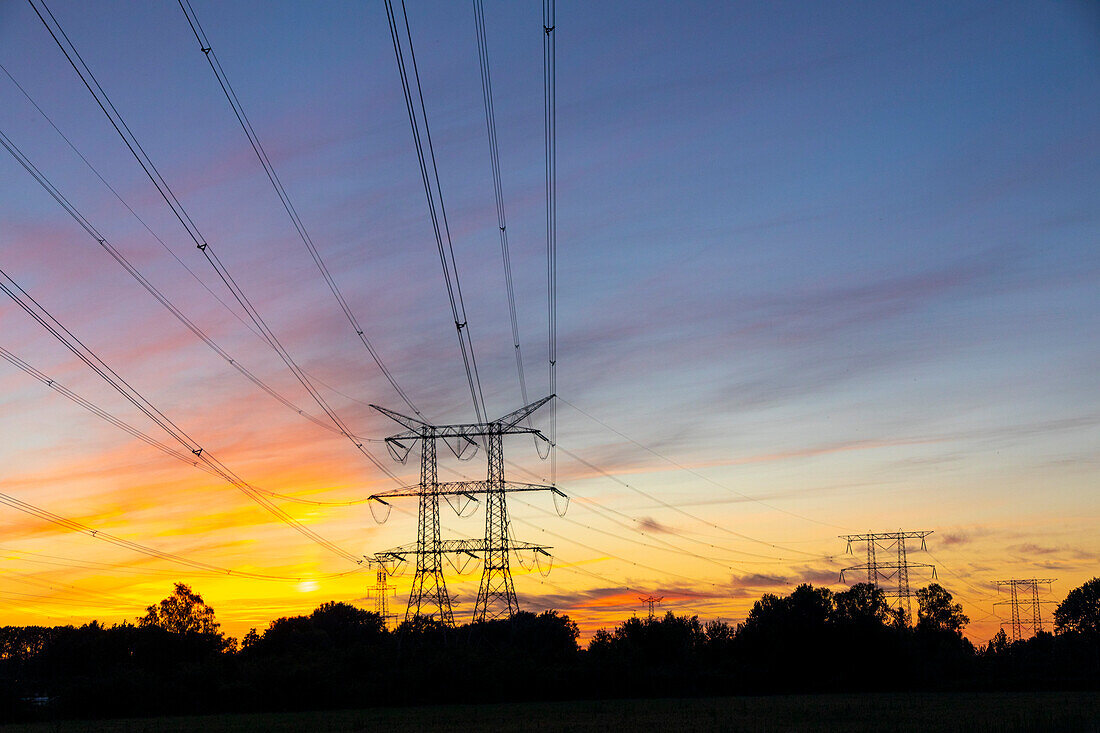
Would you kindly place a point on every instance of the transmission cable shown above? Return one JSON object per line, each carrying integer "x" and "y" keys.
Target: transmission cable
{"x": 608, "y": 554}
{"x": 689, "y": 515}
{"x": 145, "y": 437}
{"x": 75, "y": 526}
{"x": 261, "y": 154}
{"x": 676, "y": 550}
{"x": 440, "y": 227}
{"x": 591, "y": 504}
{"x": 43, "y": 317}
{"x": 121, "y": 200}
{"x": 44, "y": 181}
{"x": 81, "y": 564}
{"x": 550, "y": 107}
{"x": 498, "y": 190}
{"x": 165, "y": 191}
{"x": 695, "y": 473}
{"x": 129, "y": 267}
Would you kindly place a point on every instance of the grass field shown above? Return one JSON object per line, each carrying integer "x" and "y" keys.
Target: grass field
{"x": 927, "y": 713}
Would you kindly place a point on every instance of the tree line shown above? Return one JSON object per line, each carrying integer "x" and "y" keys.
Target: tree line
{"x": 176, "y": 659}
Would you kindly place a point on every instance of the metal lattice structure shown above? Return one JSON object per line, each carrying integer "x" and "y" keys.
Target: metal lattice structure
{"x": 651, "y": 601}
{"x": 381, "y": 588}
{"x": 496, "y": 595}
{"x": 1029, "y": 588}
{"x": 890, "y": 575}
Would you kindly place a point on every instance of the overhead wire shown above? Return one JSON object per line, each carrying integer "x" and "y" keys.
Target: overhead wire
{"x": 82, "y": 564}
{"x": 79, "y": 527}
{"x": 498, "y": 189}
{"x": 440, "y": 226}
{"x": 121, "y": 200}
{"x": 689, "y": 515}
{"x": 603, "y": 510}
{"x": 695, "y": 473}
{"x": 679, "y": 551}
{"x": 149, "y": 287}
{"x": 34, "y": 580}
{"x": 130, "y": 140}
{"x": 284, "y": 198}
{"x": 86, "y": 355}
{"x": 189, "y": 459}
{"x": 550, "y": 106}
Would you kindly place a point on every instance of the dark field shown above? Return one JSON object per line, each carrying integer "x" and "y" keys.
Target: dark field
{"x": 926, "y": 713}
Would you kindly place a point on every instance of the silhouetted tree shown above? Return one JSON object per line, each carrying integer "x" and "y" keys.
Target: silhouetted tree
{"x": 1080, "y": 611}
{"x": 344, "y": 622}
{"x": 937, "y": 612}
{"x": 650, "y": 641}
{"x": 250, "y": 638}
{"x": 997, "y": 645}
{"x": 182, "y": 612}
{"x": 719, "y": 633}
{"x": 863, "y": 605}
{"x": 805, "y": 610}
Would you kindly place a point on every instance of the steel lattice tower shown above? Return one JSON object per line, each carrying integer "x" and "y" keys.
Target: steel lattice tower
{"x": 429, "y": 588}
{"x": 1031, "y": 588}
{"x": 381, "y": 587}
{"x": 651, "y": 601}
{"x": 892, "y": 576}
{"x": 496, "y": 595}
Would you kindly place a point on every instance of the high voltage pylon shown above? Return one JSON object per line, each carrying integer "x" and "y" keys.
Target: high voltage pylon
{"x": 496, "y": 595}
{"x": 891, "y": 575}
{"x": 651, "y": 601}
{"x": 1030, "y": 586}
{"x": 381, "y": 593}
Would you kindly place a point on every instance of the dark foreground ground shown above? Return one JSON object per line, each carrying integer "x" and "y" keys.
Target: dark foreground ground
{"x": 927, "y": 713}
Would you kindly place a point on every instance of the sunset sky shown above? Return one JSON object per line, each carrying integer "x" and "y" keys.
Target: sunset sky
{"x": 823, "y": 269}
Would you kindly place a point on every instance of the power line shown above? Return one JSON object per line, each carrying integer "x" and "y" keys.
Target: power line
{"x": 672, "y": 549}
{"x": 165, "y": 191}
{"x": 75, "y": 526}
{"x": 440, "y": 227}
{"x": 261, "y": 154}
{"x": 43, "y": 317}
{"x": 123, "y": 201}
{"x": 689, "y": 515}
{"x": 149, "y": 287}
{"x": 233, "y": 362}
{"x": 695, "y": 473}
{"x": 81, "y": 564}
{"x": 498, "y": 190}
{"x": 591, "y": 504}
{"x": 146, "y": 438}
{"x": 608, "y": 554}
{"x": 550, "y": 107}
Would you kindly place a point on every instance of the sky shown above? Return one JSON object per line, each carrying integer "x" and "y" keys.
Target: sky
{"x": 823, "y": 269}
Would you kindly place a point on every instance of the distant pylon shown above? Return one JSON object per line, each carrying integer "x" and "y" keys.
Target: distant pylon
{"x": 381, "y": 594}
{"x": 892, "y": 576}
{"x": 1031, "y": 587}
{"x": 651, "y": 601}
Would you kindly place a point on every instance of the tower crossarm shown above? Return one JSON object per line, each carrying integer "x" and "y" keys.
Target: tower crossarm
{"x": 879, "y": 536}
{"x": 468, "y": 431}
{"x": 414, "y": 425}
{"x": 456, "y": 546}
{"x": 461, "y": 488}
{"x": 1027, "y": 581}
{"x": 887, "y": 569}
{"x": 508, "y": 424}
{"x": 512, "y": 419}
